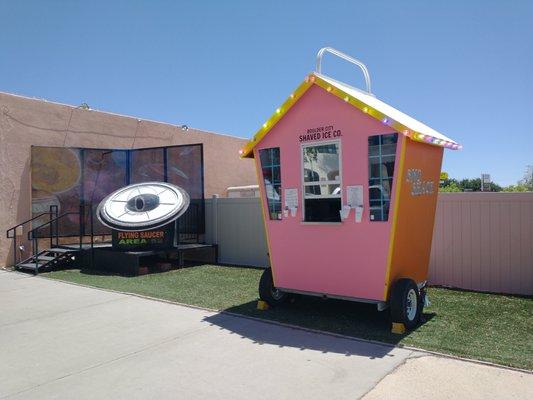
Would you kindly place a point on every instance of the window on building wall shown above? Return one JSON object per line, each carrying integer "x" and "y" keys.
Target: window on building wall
{"x": 270, "y": 165}
{"x": 321, "y": 182}
{"x": 381, "y": 158}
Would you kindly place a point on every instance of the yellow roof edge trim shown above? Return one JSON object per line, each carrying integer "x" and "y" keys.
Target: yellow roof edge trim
{"x": 247, "y": 150}
{"x": 313, "y": 79}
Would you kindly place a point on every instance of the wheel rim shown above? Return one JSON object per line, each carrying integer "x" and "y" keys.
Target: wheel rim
{"x": 276, "y": 294}
{"x": 412, "y": 305}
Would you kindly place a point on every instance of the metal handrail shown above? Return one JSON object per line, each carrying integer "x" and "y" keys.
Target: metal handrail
{"x": 81, "y": 214}
{"x": 30, "y": 233}
{"x": 25, "y": 222}
{"x": 53, "y": 211}
{"x": 53, "y": 223}
{"x": 346, "y": 57}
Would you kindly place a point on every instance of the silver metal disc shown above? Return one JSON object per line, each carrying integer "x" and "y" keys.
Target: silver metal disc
{"x": 143, "y": 206}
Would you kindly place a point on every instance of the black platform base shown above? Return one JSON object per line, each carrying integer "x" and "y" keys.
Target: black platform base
{"x": 105, "y": 258}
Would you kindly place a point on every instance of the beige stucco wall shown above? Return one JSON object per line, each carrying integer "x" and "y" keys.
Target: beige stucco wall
{"x": 25, "y": 122}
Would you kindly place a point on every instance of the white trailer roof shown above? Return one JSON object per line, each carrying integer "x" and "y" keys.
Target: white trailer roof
{"x": 364, "y": 101}
{"x": 388, "y": 110}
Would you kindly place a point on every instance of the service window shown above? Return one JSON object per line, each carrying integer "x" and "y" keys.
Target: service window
{"x": 270, "y": 166}
{"x": 321, "y": 182}
{"x": 381, "y": 158}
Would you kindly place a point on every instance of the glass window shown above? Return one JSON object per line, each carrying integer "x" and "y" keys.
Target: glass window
{"x": 147, "y": 165}
{"x": 270, "y": 165}
{"x": 322, "y": 182}
{"x": 381, "y": 157}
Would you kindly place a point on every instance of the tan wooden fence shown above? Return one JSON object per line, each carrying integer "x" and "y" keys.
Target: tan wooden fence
{"x": 481, "y": 241}
{"x": 484, "y": 242}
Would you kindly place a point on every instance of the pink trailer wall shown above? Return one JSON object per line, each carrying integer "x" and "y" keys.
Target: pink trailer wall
{"x": 484, "y": 241}
{"x": 345, "y": 259}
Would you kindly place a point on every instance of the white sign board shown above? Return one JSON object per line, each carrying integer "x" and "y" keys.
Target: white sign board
{"x": 291, "y": 201}
{"x": 344, "y": 212}
{"x": 354, "y": 196}
{"x": 485, "y": 182}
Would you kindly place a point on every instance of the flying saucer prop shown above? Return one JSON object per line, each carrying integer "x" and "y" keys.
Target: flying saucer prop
{"x": 143, "y": 206}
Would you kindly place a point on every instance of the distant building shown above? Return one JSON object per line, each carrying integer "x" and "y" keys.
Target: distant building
{"x": 26, "y": 122}
{"x": 243, "y": 191}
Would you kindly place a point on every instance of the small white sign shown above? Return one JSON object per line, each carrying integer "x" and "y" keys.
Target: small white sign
{"x": 358, "y": 213}
{"x": 345, "y": 212}
{"x": 354, "y": 196}
{"x": 291, "y": 201}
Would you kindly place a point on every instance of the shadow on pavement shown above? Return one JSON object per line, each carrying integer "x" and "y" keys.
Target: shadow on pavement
{"x": 355, "y": 320}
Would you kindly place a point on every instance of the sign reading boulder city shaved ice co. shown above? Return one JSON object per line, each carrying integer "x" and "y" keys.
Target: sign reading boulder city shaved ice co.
{"x": 322, "y": 132}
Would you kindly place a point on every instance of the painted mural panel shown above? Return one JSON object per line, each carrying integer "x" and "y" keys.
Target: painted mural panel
{"x": 56, "y": 181}
{"x": 69, "y": 177}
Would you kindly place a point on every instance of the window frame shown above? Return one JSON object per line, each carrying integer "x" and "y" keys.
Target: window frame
{"x": 391, "y": 179}
{"x": 304, "y": 184}
{"x": 272, "y": 166}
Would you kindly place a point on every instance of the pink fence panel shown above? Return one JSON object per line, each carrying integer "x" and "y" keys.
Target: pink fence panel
{"x": 484, "y": 242}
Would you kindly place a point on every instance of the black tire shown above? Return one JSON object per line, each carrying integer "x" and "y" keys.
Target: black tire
{"x": 267, "y": 291}
{"x": 404, "y": 296}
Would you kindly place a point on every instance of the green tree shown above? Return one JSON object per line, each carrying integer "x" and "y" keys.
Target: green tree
{"x": 494, "y": 187}
{"x": 473, "y": 185}
{"x": 527, "y": 180}
{"x": 518, "y": 188}
{"x": 469, "y": 185}
{"x": 450, "y": 187}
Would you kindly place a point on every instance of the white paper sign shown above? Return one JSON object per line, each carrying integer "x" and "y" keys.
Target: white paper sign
{"x": 291, "y": 201}
{"x": 354, "y": 196}
{"x": 358, "y": 213}
{"x": 345, "y": 212}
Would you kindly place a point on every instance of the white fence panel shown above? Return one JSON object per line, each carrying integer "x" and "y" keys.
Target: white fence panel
{"x": 481, "y": 241}
{"x": 237, "y": 226}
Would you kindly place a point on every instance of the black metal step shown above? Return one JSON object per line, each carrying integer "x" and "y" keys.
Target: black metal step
{"x": 45, "y": 258}
{"x": 30, "y": 266}
{"x": 59, "y": 250}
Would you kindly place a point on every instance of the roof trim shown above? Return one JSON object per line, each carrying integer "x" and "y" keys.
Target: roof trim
{"x": 246, "y": 151}
{"x": 336, "y": 88}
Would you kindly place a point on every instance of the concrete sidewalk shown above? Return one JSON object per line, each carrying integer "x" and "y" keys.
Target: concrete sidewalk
{"x": 63, "y": 341}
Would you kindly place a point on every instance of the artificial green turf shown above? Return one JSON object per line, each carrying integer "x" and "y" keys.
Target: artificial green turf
{"x": 488, "y": 327}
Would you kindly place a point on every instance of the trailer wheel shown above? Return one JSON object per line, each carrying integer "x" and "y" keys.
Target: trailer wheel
{"x": 405, "y": 303}
{"x": 267, "y": 291}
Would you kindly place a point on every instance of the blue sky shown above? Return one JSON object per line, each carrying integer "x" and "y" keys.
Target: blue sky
{"x": 462, "y": 67}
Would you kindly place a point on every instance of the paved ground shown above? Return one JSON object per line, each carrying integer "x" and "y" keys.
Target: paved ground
{"x": 440, "y": 378}
{"x": 60, "y": 341}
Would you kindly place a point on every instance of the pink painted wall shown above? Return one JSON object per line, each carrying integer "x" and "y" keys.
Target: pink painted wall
{"x": 343, "y": 259}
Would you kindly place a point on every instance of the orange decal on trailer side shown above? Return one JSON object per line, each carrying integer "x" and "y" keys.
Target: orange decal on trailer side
{"x": 412, "y": 230}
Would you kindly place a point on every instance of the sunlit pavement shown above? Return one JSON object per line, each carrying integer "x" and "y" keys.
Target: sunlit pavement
{"x": 64, "y": 341}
